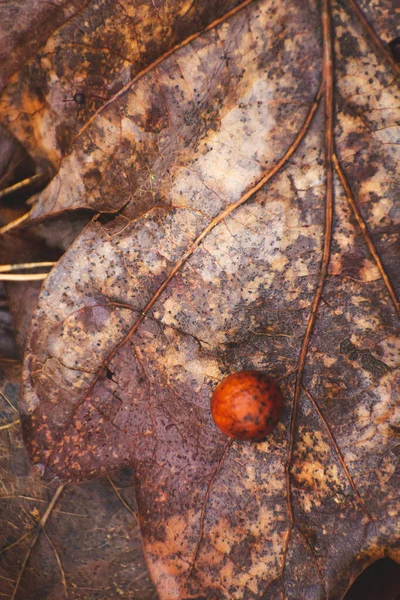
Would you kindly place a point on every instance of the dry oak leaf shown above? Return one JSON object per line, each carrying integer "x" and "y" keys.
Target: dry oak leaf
{"x": 91, "y": 49}
{"x": 254, "y": 187}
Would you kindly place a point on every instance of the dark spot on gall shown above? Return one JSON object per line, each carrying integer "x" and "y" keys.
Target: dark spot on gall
{"x": 248, "y": 419}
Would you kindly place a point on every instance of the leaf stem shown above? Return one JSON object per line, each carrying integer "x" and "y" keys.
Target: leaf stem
{"x": 327, "y": 71}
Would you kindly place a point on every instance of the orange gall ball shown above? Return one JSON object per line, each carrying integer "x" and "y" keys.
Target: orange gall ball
{"x": 247, "y": 405}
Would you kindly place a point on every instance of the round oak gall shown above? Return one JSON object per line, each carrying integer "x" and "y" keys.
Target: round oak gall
{"x": 247, "y": 405}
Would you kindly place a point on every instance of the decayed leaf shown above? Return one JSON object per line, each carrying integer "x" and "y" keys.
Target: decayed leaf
{"x": 244, "y": 239}
{"x": 96, "y": 47}
{"x": 382, "y": 14}
{"x": 25, "y": 27}
{"x": 88, "y": 546}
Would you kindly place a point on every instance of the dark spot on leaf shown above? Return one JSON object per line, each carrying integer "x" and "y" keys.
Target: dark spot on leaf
{"x": 79, "y": 98}
{"x": 347, "y": 346}
{"x": 372, "y": 364}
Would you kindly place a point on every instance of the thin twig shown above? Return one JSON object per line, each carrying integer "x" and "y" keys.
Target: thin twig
{"x": 57, "y": 557}
{"x": 37, "y": 531}
{"x": 21, "y": 184}
{"x": 14, "y": 223}
{"x": 24, "y": 563}
{"x": 9, "y": 425}
{"x": 32, "y": 265}
{"x": 121, "y": 498}
{"x": 10, "y": 361}
{"x": 8, "y": 401}
{"x": 17, "y": 542}
{"x": 24, "y": 277}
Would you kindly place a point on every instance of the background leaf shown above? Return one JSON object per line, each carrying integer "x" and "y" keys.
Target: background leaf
{"x": 89, "y": 547}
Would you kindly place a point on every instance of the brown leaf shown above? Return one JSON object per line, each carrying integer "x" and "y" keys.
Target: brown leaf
{"x": 87, "y": 544}
{"x": 256, "y": 228}
{"x": 93, "y": 49}
{"x": 383, "y": 15}
{"x": 25, "y": 27}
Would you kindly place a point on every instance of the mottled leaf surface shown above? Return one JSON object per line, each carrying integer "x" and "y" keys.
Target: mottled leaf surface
{"x": 93, "y": 48}
{"x": 243, "y": 239}
{"x": 384, "y": 16}
{"x": 26, "y": 25}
